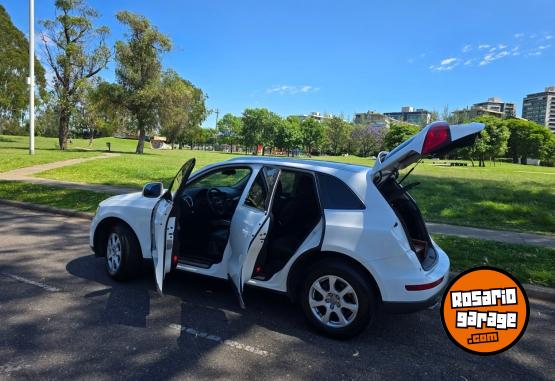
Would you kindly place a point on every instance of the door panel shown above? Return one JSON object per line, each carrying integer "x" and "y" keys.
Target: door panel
{"x": 162, "y": 226}
{"x": 249, "y": 227}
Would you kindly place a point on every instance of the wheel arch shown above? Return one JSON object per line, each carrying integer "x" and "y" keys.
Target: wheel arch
{"x": 101, "y": 232}
{"x": 311, "y": 257}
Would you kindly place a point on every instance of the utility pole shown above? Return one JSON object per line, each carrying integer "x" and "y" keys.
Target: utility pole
{"x": 217, "y": 112}
{"x": 31, "y": 77}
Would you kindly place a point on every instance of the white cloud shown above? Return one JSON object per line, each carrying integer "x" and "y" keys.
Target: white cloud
{"x": 502, "y": 46}
{"x": 537, "y": 53}
{"x": 548, "y": 37}
{"x": 445, "y": 65}
{"x": 467, "y": 48}
{"x": 543, "y": 47}
{"x": 290, "y": 89}
{"x": 448, "y": 61}
{"x": 483, "y": 46}
{"x": 519, "y": 35}
{"x": 469, "y": 62}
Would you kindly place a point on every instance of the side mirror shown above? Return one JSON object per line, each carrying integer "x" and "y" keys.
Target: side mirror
{"x": 153, "y": 190}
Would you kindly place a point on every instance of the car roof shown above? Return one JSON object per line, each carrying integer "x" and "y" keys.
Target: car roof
{"x": 356, "y": 176}
{"x": 307, "y": 164}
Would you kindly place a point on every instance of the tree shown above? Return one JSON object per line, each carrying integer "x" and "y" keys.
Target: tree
{"x": 367, "y": 140}
{"x": 398, "y": 133}
{"x": 138, "y": 72}
{"x": 76, "y": 51}
{"x": 338, "y": 134}
{"x": 497, "y": 137}
{"x": 313, "y": 135}
{"x": 229, "y": 130}
{"x": 14, "y": 70}
{"x": 528, "y": 139}
{"x": 259, "y": 125}
{"x": 288, "y": 134}
{"x": 181, "y": 106}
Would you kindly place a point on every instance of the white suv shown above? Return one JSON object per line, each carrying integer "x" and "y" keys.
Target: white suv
{"x": 340, "y": 239}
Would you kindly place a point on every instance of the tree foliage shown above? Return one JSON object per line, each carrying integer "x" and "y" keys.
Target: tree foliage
{"x": 230, "y": 129}
{"x": 313, "y": 135}
{"x": 75, "y": 50}
{"x": 139, "y": 70}
{"x": 14, "y": 70}
{"x": 338, "y": 132}
{"x": 398, "y": 133}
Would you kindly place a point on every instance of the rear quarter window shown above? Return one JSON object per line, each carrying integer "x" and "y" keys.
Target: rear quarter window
{"x": 335, "y": 194}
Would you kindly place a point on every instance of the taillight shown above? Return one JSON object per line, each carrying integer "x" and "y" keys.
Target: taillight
{"x": 437, "y": 136}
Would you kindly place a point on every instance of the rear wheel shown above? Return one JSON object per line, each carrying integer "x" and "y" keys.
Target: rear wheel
{"x": 337, "y": 300}
{"x": 122, "y": 253}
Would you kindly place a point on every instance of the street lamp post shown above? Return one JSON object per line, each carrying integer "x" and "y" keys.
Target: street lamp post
{"x": 31, "y": 77}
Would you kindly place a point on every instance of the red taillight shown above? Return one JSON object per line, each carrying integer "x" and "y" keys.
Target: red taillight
{"x": 422, "y": 287}
{"x": 437, "y": 136}
{"x": 174, "y": 260}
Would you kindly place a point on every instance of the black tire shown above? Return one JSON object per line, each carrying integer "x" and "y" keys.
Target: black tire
{"x": 364, "y": 292}
{"x": 130, "y": 262}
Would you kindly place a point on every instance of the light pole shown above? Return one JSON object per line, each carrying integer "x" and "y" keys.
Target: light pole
{"x": 31, "y": 77}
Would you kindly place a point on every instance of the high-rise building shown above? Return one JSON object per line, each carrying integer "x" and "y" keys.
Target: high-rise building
{"x": 506, "y": 109}
{"x": 410, "y": 115}
{"x": 540, "y": 108}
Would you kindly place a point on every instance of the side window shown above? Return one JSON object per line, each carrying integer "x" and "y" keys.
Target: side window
{"x": 258, "y": 193}
{"x": 335, "y": 194}
{"x": 287, "y": 180}
{"x": 226, "y": 177}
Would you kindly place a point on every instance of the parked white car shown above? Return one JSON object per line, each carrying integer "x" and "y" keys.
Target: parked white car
{"x": 341, "y": 240}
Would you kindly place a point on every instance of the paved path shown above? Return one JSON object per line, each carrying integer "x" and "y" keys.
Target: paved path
{"x": 25, "y": 174}
{"x": 494, "y": 235}
{"x": 64, "y": 318}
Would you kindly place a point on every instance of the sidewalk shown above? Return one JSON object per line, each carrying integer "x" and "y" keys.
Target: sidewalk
{"x": 493, "y": 235}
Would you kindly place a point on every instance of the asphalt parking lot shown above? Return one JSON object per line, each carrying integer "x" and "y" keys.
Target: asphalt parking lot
{"x": 63, "y": 317}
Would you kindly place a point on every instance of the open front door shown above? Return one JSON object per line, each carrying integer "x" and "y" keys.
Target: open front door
{"x": 162, "y": 225}
{"x": 434, "y": 139}
{"x": 250, "y": 226}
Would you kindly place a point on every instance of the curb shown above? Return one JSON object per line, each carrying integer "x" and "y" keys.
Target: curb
{"x": 47, "y": 209}
{"x": 532, "y": 291}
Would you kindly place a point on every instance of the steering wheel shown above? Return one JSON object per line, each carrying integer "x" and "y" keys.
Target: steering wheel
{"x": 216, "y": 201}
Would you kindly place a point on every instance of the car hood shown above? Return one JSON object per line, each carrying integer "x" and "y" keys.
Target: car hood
{"x": 136, "y": 200}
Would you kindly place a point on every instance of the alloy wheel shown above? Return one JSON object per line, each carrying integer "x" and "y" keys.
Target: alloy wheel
{"x": 333, "y": 301}
{"x": 113, "y": 253}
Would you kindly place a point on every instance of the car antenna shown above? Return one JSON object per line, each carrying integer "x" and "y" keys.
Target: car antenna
{"x": 410, "y": 171}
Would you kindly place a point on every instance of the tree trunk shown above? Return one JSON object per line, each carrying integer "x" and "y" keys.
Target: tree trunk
{"x": 63, "y": 128}
{"x": 141, "y": 142}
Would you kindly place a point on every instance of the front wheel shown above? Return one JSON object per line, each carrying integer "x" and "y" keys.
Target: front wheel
{"x": 337, "y": 300}
{"x": 122, "y": 253}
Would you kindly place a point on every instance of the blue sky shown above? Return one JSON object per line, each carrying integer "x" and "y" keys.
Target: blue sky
{"x": 342, "y": 57}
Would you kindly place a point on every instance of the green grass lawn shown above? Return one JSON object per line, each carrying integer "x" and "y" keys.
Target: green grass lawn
{"x": 14, "y": 152}
{"x": 507, "y": 196}
{"x": 529, "y": 264}
{"x": 80, "y": 200}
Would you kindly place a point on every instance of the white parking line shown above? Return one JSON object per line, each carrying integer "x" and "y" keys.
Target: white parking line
{"x": 218, "y": 339}
{"x": 32, "y": 282}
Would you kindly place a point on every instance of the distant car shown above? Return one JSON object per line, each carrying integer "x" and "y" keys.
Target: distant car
{"x": 339, "y": 239}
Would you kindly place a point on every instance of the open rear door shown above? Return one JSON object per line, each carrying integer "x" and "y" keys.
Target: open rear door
{"x": 162, "y": 225}
{"x": 250, "y": 226}
{"x": 434, "y": 139}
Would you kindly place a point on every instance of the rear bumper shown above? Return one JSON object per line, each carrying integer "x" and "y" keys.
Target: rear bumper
{"x": 408, "y": 307}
